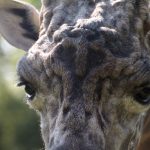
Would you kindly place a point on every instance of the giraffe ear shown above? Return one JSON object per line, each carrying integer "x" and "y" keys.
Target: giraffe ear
{"x": 19, "y": 23}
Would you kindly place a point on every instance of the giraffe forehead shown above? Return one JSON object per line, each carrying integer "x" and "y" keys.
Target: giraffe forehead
{"x": 79, "y": 44}
{"x": 81, "y": 52}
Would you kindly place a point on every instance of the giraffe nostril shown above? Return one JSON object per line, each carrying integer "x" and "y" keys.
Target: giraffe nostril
{"x": 66, "y": 110}
{"x": 88, "y": 114}
{"x": 51, "y": 141}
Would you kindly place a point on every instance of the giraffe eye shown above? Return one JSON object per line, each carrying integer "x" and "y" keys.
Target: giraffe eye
{"x": 30, "y": 91}
{"x": 143, "y": 96}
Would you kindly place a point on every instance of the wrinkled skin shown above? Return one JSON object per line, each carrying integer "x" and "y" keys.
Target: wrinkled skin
{"x": 89, "y": 69}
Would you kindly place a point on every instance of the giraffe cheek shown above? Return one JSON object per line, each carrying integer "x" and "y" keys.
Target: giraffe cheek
{"x": 37, "y": 103}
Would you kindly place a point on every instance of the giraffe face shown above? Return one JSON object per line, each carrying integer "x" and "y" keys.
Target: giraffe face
{"x": 84, "y": 100}
{"x": 87, "y": 73}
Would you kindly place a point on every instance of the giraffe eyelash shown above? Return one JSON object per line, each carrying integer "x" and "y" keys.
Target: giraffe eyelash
{"x": 21, "y": 82}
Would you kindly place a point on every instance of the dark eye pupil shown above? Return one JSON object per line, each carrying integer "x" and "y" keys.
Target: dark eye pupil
{"x": 143, "y": 96}
{"x": 30, "y": 91}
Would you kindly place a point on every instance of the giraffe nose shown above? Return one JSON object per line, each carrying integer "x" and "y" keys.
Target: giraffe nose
{"x": 76, "y": 143}
{"x": 79, "y": 147}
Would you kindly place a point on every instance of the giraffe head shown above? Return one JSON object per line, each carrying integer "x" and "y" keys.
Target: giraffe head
{"x": 86, "y": 70}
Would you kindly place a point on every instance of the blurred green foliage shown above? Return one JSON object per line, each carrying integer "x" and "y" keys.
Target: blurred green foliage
{"x": 19, "y": 125}
{"x": 36, "y": 3}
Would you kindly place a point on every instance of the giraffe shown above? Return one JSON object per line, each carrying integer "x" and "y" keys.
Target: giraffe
{"x": 86, "y": 70}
